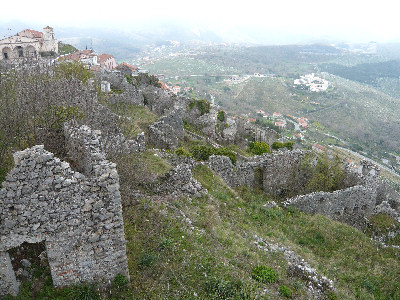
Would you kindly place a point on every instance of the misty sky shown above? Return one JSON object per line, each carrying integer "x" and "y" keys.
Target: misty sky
{"x": 341, "y": 19}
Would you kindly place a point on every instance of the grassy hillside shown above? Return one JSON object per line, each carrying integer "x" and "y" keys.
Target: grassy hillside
{"x": 205, "y": 248}
{"x": 364, "y": 115}
{"x": 172, "y": 66}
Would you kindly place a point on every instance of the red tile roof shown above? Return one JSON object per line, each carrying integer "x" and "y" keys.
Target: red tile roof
{"x": 103, "y": 57}
{"x": 124, "y": 64}
{"x": 163, "y": 86}
{"x": 35, "y": 34}
{"x": 76, "y": 55}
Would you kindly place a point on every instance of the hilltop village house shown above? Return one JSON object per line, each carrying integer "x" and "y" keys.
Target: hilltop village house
{"x": 28, "y": 44}
{"x": 92, "y": 60}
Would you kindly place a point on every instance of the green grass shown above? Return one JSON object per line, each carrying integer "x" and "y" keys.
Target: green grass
{"x": 214, "y": 257}
{"x": 187, "y": 66}
{"x": 136, "y": 170}
{"x": 141, "y": 117}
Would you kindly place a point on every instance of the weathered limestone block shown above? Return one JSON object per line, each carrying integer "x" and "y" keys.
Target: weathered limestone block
{"x": 8, "y": 281}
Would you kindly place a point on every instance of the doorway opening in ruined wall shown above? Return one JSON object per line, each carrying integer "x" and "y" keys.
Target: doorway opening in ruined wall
{"x": 258, "y": 178}
{"x": 30, "y": 264}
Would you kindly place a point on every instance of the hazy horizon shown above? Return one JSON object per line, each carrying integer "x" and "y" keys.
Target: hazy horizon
{"x": 251, "y": 22}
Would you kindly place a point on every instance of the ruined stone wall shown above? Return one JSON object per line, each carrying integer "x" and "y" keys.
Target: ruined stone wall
{"x": 130, "y": 93}
{"x": 178, "y": 182}
{"x": 271, "y": 172}
{"x": 166, "y": 131}
{"x": 279, "y": 169}
{"x": 260, "y": 134}
{"x": 77, "y": 215}
{"x": 350, "y": 205}
{"x": 234, "y": 176}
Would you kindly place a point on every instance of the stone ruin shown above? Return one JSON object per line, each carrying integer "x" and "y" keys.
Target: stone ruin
{"x": 274, "y": 174}
{"x": 270, "y": 172}
{"x": 370, "y": 195}
{"x": 78, "y": 215}
{"x": 165, "y": 132}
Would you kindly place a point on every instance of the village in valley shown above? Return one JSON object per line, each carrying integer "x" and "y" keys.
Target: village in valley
{"x": 43, "y": 46}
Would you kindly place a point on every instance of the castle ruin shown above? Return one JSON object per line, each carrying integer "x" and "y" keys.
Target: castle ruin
{"x": 77, "y": 215}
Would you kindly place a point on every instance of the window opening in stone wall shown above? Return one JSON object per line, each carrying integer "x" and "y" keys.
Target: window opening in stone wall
{"x": 30, "y": 264}
{"x": 5, "y": 55}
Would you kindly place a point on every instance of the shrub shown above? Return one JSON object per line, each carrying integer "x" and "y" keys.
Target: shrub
{"x": 325, "y": 175}
{"x": 146, "y": 260}
{"x": 204, "y": 152}
{"x": 222, "y": 289}
{"x": 258, "y": 148}
{"x": 277, "y": 145}
{"x": 70, "y": 70}
{"x": 129, "y": 79}
{"x": 202, "y": 105}
{"x": 116, "y": 90}
{"x": 264, "y": 274}
{"x": 120, "y": 281}
{"x": 221, "y": 116}
{"x": 200, "y": 152}
{"x": 285, "y": 291}
{"x": 226, "y": 152}
{"x": 182, "y": 152}
{"x": 84, "y": 292}
{"x": 146, "y": 79}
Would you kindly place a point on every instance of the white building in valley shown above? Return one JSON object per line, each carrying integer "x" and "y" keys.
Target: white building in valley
{"x": 312, "y": 83}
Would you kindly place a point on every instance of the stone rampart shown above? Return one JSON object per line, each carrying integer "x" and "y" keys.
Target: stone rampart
{"x": 166, "y": 131}
{"x": 234, "y": 176}
{"x": 271, "y": 172}
{"x": 77, "y": 215}
{"x": 350, "y": 205}
{"x": 82, "y": 137}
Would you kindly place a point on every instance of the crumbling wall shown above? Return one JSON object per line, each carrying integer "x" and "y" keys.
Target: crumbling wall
{"x": 130, "y": 93}
{"x": 166, "y": 131}
{"x": 178, "y": 182}
{"x": 77, "y": 215}
{"x": 234, "y": 176}
{"x": 109, "y": 144}
{"x": 271, "y": 172}
{"x": 158, "y": 100}
{"x": 350, "y": 205}
{"x": 260, "y": 134}
{"x": 279, "y": 169}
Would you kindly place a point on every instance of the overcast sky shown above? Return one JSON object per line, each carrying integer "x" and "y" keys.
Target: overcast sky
{"x": 346, "y": 19}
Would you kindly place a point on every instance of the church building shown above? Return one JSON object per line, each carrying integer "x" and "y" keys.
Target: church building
{"x": 28, "y": 44}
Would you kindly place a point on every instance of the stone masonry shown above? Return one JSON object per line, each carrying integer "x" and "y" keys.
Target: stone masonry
{"x": 270, "y": 172}
{"x": 165, "y": 132}
{"x": 352, "y": 205}
{"x": 77, "y": 215}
